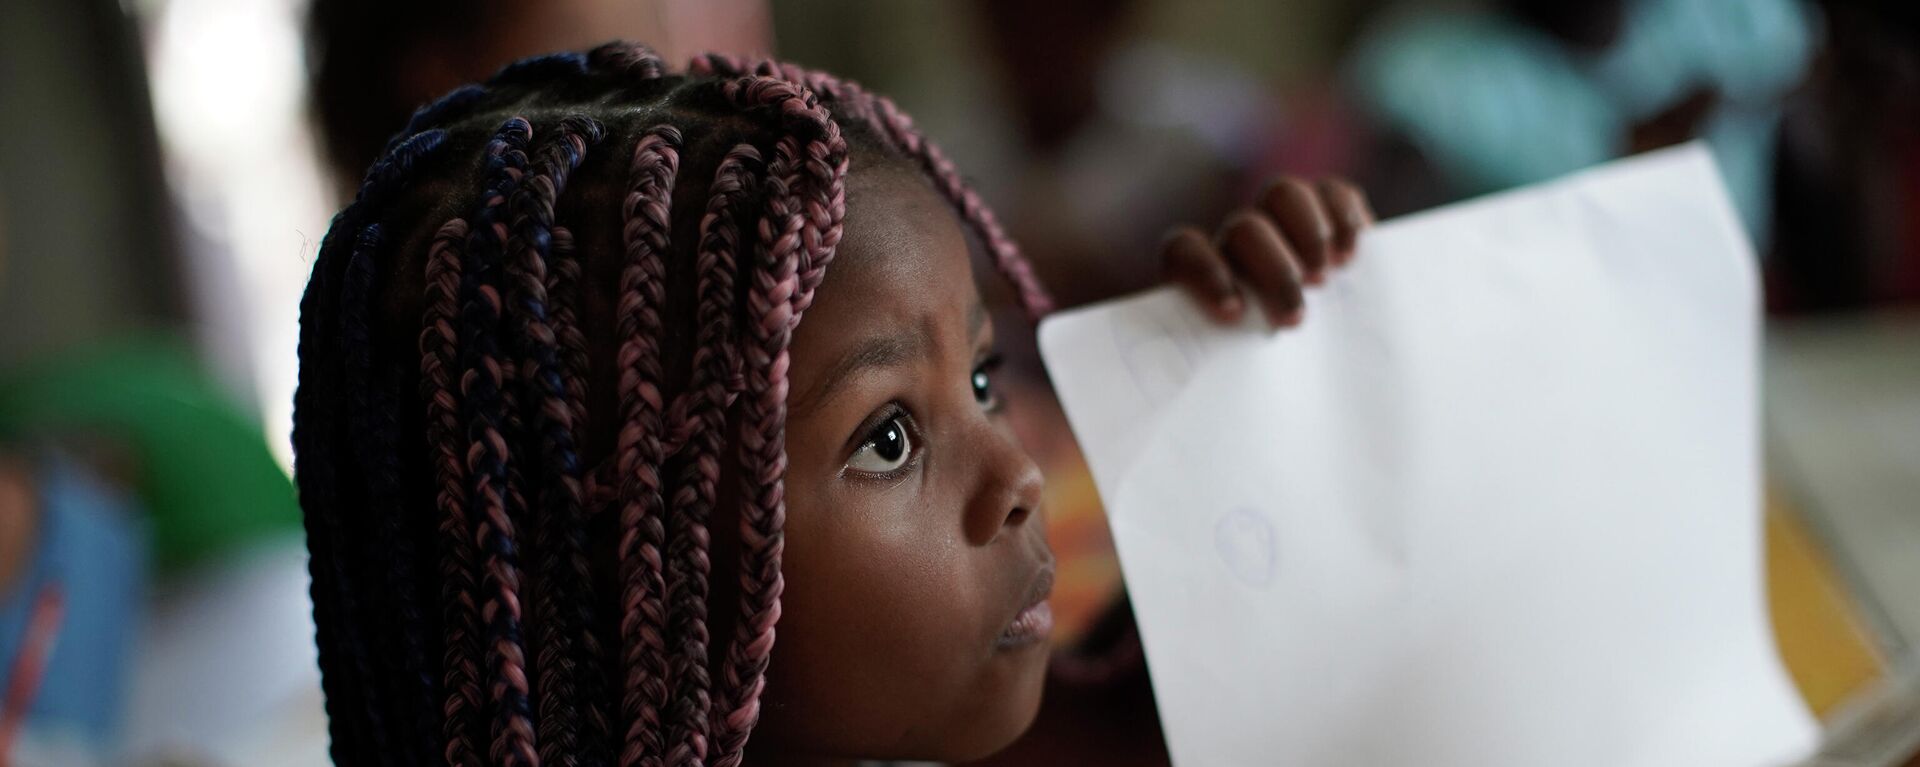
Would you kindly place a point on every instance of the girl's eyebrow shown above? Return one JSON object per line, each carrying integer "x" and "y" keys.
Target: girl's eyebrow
{"x": 976, "y": 318}
{"x": 881, "y": 351}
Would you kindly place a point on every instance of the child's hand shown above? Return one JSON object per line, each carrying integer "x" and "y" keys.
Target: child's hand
{"x": 1295, "y": 234}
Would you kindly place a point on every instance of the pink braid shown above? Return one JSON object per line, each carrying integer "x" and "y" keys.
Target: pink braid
{"x": 887, "y": 119}
{"x": 822, "y": 160}
{"x": 631, "y": 59}
{"x": 771, "y": 310}
{"x": 642, "y": 292}
{"x": 562, "y": 604}
{"x": 1006, "y": 254}
{"x": 563, "y": 290}
{"x": 439, "y": 354}
{"x": 699, "y": 416}
{"x": 486, "y": 386}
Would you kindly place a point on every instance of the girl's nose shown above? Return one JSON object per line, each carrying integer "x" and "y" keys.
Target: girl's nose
{"x": 1008, "y": 488}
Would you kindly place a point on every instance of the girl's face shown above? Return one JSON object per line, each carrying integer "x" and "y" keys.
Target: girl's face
{"x": 914, "y": 623}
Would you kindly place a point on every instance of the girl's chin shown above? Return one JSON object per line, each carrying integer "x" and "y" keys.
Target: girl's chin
{"x": 1017, "y": 708}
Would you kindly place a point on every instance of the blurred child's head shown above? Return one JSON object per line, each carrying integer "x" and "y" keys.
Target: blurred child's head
{"x": 373, "y": 61}
{"x": 1585, "y": 24}
{"x": 569, "y": 456}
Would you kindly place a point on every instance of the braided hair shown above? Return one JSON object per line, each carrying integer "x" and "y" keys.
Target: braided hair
{"x": 448, "y": 406}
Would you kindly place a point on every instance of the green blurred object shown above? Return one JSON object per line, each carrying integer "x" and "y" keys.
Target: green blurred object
{"x": 200, "y": 465}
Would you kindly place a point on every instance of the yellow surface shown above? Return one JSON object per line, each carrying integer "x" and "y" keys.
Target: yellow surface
{"x": 1822, "y": 640}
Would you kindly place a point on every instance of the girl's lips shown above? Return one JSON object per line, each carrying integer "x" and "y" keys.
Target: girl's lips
{"x": 1034, "y": 623}
{"x": 1032, "y": 626}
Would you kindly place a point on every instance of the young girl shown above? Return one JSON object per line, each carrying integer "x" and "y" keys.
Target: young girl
{"x": 569, "y": 456}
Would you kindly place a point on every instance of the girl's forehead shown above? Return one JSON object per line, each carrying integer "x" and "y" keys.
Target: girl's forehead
{"x": 903, "y": 262}
{"x": 901, "y": 238}
{"x": 889, "y": 204}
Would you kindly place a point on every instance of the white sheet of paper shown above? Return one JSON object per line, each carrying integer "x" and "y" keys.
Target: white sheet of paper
{"x": 1497, "y": 503}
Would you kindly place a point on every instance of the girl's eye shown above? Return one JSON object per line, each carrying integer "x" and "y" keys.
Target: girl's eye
{"x": 887, "y": 448}
{"x": 983, "y": 391}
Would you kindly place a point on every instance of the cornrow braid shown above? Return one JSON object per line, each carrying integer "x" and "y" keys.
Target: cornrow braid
{"x": 506, "y": 385}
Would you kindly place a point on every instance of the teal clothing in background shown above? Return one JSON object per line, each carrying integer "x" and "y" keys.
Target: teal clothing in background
{"x": 90, "y": 549}
{"x": 1493, "y": 103}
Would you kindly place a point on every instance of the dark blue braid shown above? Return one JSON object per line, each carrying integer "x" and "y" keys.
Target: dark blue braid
{"x": 354, "y": 724}
{"x": 373, "y": 404}
{"x": 540, "y": 69}
{"x": 565, "y": 612}
{"x": 371, "y": 607}
{"x": 484, "y": 405}
{"x": 329, "y": 491}
{"x": 388, "y": 176}
{"x": 451, "y": 106}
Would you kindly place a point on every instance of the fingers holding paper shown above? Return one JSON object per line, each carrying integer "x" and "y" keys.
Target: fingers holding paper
{"x": 1294, "y": 235}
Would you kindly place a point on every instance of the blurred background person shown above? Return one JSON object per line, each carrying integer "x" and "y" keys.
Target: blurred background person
{"x": 1526, "y": 90}
{"x": 1848, "y": 207}
{"x": 137, "y": 491}
{"x": 86, "y": 255}
{"x": 371, "y": 62}
{"x": 143, "y": 512}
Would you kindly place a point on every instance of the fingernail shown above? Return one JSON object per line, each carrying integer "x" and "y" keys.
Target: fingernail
{"x": 1317, "y": 277}
{"x": 1232, "y": 305}
{"x": 1293, "y": 318}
